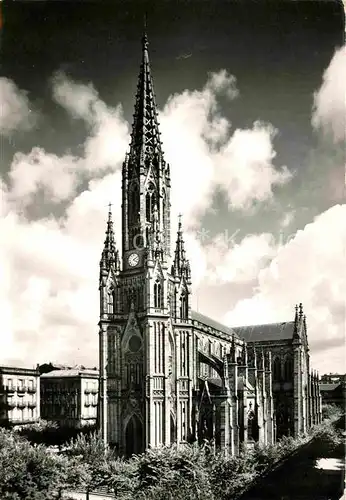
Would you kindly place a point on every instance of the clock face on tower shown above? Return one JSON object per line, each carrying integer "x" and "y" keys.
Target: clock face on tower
{"x": 133, "y": 259}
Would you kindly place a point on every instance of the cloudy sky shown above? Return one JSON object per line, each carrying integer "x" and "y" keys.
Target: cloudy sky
{"x": 252, "y": 110}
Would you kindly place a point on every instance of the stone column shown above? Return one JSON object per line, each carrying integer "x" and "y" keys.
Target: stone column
{"x": 309, "y": 401}
{"x": 225, "y": 427}
{"x": 262, "y": 398}
{"x": 177, "y": 387}
{"x": 233, "y": 389}
{"x": 297, "y": 388}
{"x": 319, "y": 396}
{"x": 243, "y": 396}
{"x": 166, "y": 388}
{"x": 253, "y": 380}
{"x": 103, "y": 398}
{"x": 269, "y": 398}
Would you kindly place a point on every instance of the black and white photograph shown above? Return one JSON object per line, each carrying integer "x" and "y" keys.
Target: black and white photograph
{"x": 172, "y": 250}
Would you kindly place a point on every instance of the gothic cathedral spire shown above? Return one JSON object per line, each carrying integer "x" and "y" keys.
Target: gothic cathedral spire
{"x": 146, "y": 179}
{"x": 145, "y": 137}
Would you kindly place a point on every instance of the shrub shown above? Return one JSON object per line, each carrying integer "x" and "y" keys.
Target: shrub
{"x": 229, "y": 475}
{"x": 90, "y": 448}
{"x": 178, "y": 470}
{"x": 331, "y": 412}
{"x": 328, "y": 434}
{"x": 28, "y": 472}
{"x": 50, "y": 433}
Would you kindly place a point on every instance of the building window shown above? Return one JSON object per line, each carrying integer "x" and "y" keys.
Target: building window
{"x": 134, "y": 203}
{"x": 158, "y": 299}
{"x": 150, "y": 201}
{"x": 110, "y": 300}
{"x": 288, "y": 369}
{"x": 183, "y": 306}
{"x": 277, "y": 369}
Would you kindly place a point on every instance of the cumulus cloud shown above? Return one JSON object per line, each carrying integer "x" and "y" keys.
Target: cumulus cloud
{"x": 15, "y": 111}
{"x": 59, "y": 177}
{"x": 56, "y": 176}
{"x": 108, "y": 140}
{"x": 205, "y": 155}
{"x": 238, "y": 263}
{"x": 329, "y": 109}
{"x": 222, "y": 82}
{"x": 307, "y": 269}
{"x": 245, "y": 169}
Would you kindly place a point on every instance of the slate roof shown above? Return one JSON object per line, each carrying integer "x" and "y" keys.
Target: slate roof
{"x": 205, "y": 320}
{"x": 268, "y": 332}
{"x": 329, "y": 387}
{"x": 70, "y": 373}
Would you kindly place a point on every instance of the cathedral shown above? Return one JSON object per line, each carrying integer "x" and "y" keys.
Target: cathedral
{"x": 169, "y": 374}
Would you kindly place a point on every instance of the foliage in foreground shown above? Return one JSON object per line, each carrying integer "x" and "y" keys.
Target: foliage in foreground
{"x": 331, "y": 411}
{"x": 50, "y": 433}
{"x": 31, "y": 473}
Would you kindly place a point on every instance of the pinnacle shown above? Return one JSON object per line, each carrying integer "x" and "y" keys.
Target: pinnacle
{"x": 180, "y": 264}
{"x": 109, "y": 253}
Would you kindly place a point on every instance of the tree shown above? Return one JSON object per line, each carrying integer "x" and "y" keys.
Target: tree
{"x": 32, "y": 473}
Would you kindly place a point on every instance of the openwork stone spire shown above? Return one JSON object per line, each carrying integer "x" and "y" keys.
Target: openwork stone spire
{"x": 109, "y": 253}
{"x": 180, "y": 264}
{"x": 145, "y": 136}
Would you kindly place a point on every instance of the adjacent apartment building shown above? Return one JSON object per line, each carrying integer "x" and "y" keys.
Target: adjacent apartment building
{"x": 19, "y": 395}
{"x": 333, "y": 389}
{"x": 70, "y": 396}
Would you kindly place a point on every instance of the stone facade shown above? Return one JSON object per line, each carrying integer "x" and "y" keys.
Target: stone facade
{"x": 70, "y": 396}
{"x": 167, "y": 373}
{"x": 19, "y": 395}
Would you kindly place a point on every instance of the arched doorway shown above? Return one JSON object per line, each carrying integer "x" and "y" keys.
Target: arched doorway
{"x": 133, "y": 436}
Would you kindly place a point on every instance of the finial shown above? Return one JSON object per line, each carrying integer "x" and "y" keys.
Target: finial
{"x": 179, "y": 221}
{"x": 110, "y": 209}
{"x": 145, "y": 36}
{"x": 300, "y": 310}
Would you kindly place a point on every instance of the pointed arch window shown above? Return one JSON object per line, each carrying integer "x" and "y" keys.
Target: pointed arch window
{"x": 158, "y": 295}
{"x": 174, "y": 303}
{"x": 110, "y": 303}
{"x": 183, "y": 305}
{"x": 150, "y": 201}
{"x": 277, "y": 369}
{"x": 288, "y": 369}
{"x": 134, "y": 202}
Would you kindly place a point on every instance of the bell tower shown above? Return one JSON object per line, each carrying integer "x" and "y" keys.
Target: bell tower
{"x": 137, "y": 342}
{"x": 145, "y": 180}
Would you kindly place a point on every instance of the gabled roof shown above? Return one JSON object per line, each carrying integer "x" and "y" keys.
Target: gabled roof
{"x": 268, "y": 332}
{"x": 329, "y": 387}
{"x": 205, "y": 320}
{"x": 73, "y": 372}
